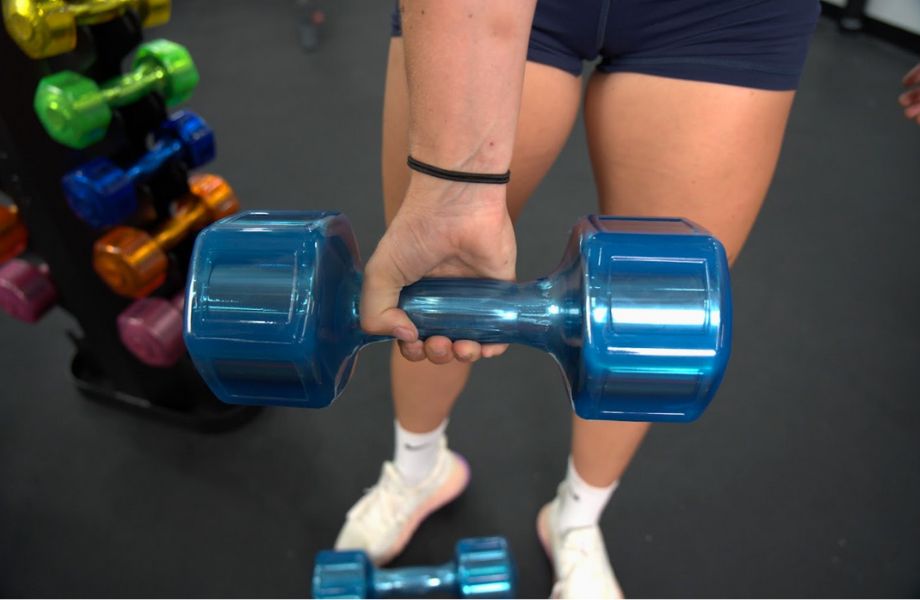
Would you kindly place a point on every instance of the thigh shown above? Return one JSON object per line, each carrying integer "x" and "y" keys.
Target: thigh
{"x": 671, "y": 147}
{"x": 667, "y": 147}
{"x": 549, "y": 105}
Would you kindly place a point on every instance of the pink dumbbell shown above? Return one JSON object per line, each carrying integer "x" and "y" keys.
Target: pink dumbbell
{"x": 26, "y": 291}
{"x": 151, "y": 329}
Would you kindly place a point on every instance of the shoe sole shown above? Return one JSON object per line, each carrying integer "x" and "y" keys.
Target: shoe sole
{"x": 454, "y": 486}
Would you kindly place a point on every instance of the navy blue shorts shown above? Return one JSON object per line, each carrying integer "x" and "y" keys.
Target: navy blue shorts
{"x": 751, "y": 43}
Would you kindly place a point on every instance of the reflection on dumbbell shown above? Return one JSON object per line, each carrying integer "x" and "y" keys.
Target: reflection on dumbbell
{"x": 133, "y": 263}
{"x": 13, "y": 234}
{"x": 102, "y": 194}
{"x": 637, "y": 315}
{"x": 26, "y": 290}
{"x": 44, "y": 28}
{"x": 151, "y": 329}
{"x": 482, "y": 568}
{"x": 76, "y": 111}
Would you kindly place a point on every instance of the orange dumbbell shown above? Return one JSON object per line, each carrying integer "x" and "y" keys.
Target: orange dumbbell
{"x": 13, "y": 235}
{"x": 133, "y": 263}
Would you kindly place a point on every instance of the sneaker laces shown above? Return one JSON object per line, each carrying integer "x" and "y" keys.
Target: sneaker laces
{"x": 385, "y": 503}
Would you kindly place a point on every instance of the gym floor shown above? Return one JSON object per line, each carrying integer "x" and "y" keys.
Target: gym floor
{"x": 802, "y": 479}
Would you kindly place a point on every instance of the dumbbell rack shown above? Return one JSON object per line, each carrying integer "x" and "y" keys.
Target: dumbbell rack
{"x": 31, "y": 167}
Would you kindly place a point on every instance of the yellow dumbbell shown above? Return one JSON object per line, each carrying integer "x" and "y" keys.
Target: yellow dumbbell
{"x": 44, "y": 28}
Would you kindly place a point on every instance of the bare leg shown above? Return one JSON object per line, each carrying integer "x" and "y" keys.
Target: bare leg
{"x": 669, "y": 147}
{"x": 423, "y": 392}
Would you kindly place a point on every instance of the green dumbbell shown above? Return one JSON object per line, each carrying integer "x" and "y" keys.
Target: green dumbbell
{"x": 76, "y": 111}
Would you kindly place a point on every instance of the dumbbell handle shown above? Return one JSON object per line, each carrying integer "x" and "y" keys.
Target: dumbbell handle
{"x": 133, "y": 85}
{"x": 192, "y": 214}
{"x": 491, "y": 311}
{"x": 150, "y": 163}
{"x": 414, "y": 581}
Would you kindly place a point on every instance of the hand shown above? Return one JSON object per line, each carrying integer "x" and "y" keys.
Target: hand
{"x": 910, "y": 99}
{"x": 443, "y": 229}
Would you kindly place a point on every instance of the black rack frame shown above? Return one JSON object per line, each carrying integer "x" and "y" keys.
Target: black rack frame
{"x": 31, "y": 167}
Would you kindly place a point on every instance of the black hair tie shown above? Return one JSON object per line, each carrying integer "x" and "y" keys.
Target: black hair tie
{"x": 461, "y": 176}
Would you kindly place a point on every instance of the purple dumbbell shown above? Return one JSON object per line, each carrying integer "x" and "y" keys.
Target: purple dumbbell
{"x": 151, "y": 329}
{"x": 26, "y": 291}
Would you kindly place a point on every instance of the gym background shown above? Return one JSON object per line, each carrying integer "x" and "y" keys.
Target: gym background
{"x": 802, "y": 478}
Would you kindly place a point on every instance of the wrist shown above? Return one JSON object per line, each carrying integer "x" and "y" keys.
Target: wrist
{"x": 478, "y": 154}
{"x": 432, "y": 191}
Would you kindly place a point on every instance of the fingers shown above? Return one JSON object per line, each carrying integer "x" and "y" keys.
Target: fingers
{"x": 467, "y": 351}
{"x": 912, "y": 108}
{"x": 910, "y": 97}
{"x": 440, "y": 350}
{"x": 413, "y": 351}
{"x": 912, "y": 77}
{"x": 493, "y": 350}
{"x": 913, "y": 112}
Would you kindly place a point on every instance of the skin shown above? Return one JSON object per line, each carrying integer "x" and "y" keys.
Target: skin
{"x": 910, "y": 100}
{"x": 658, "y": 146}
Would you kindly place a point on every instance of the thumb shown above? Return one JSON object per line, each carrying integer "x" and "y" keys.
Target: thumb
{"x": 383, "y": 282}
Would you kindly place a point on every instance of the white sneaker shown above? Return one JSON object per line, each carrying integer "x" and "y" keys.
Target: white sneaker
{"x": 384, "y": 519}
{"x": 578, "y": 555}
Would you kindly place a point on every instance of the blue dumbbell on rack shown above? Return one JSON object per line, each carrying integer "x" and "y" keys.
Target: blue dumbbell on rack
{"x": 102, "y": 194}
{"x": 637, "y": 315}
{"x": 482, "y": 568}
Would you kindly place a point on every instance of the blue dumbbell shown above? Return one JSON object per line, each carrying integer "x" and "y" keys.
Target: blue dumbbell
{"x": 102, "y": 194}
{"x": 482, "y": 568}
{"x": 637, "y": 315}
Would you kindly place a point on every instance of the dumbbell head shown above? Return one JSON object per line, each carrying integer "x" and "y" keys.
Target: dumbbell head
{"x": 40, "y": 28}
{"x": 100, "y": 193}
{"x": 26, "y": 291}
{"x": 193, "y": 132}
{"x": 151, "y": 328}
{"x": 485, "y": 568}
{"x": 214, "y": 195}
{"x": 638, "y": 314}
{"x": 72, "y": 109}
{"x": 44, "y": 28}
{"x": 134, "y": 264}
{"x": 181, "y": 77}
{"x": 289, "y": 332}
{"x": 342, "y": 574}
{"x": 154, "y": 12}
{"x": 656, "y": 319}
{"x": 13, "y": 234}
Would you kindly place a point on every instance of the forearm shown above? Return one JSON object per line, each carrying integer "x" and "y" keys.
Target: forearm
{"x": 465, "y": 68}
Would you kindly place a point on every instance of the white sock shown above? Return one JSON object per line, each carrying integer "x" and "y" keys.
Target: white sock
{"x": 582, "y": 503}
{"x": 417, "y": 453}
